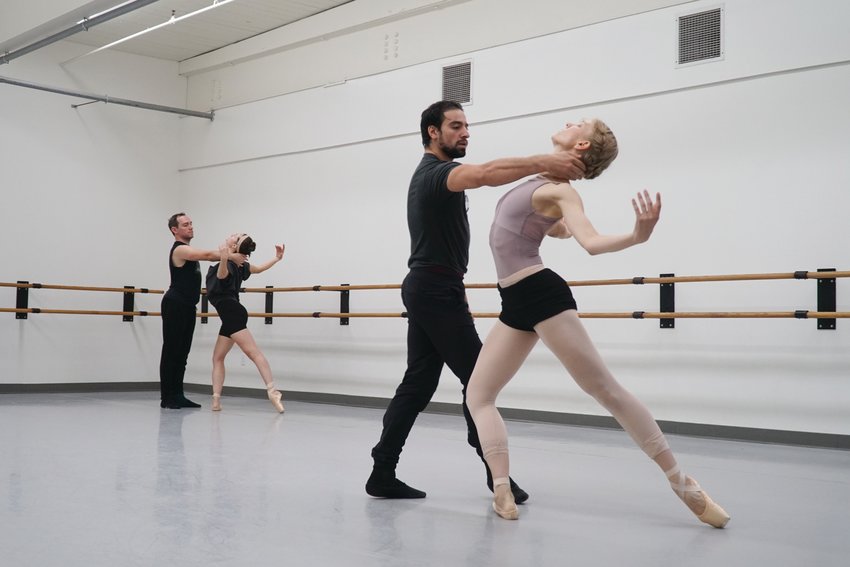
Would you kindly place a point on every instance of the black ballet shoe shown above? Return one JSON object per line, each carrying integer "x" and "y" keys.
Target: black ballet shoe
{"x": 169, "y": 405}
{"x": 382, "y": 484}
{"x": 520, "y": 495}
{"x": 185, "y": 403}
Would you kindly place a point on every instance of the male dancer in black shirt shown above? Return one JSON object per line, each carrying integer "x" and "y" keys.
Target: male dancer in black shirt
{"x": 178, "y": 310}
{"x": 440, "y": 327}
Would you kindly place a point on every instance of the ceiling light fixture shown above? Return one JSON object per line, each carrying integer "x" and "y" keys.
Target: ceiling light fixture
{"x": 172, "y": 20}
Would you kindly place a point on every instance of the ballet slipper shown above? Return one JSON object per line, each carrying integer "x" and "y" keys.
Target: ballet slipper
{"x": 503, "y": 502}
{"x": 275, "y": 398}
{"x": 713, "y": 514}
{"x": 216, "y": 402}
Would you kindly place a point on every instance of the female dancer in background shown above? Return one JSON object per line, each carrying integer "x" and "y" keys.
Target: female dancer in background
{"x": 224, "y": 280}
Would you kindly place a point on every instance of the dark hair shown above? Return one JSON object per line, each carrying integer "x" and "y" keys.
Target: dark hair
{"x": 172, "y": 220}
{"x": 247, "y": 246}
{"x": 434, "y": 116}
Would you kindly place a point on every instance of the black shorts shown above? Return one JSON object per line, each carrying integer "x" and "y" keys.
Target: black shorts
{"x": 534, "y": 299}
{"x": 233, "y": 315}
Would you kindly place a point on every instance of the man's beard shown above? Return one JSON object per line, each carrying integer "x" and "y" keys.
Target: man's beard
{"x": 453, "y": 153}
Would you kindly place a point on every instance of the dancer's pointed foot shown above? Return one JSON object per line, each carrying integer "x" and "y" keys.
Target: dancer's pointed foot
{"x": 503, "y": 502}
{"x": 696, "y": 499}
{"x": 216, "y": 402}
{"x": 520, "y": 495}
{"x": 275, "y": 398}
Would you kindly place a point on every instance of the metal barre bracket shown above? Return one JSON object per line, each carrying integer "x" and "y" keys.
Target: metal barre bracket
{"x": 269, "y": 305}
{"x": 21, "y": 300}
{"x": 205, "y": 308}
{"x": 344, "y": 304}
{"x": 129, "y": 303}
{"x": 667, "y": 301}
{"x": 826, "y": 300}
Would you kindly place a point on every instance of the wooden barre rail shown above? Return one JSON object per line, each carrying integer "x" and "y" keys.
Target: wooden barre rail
{"x": 639, "y": 280}
{"x": 81, "y": 288}
{"x": 825, "y": 313}
{"x": 589, "y": 315}
{"x": 613, "y": 315}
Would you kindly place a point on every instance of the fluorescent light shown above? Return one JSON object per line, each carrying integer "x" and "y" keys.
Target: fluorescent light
{"x": 172, "y": 20}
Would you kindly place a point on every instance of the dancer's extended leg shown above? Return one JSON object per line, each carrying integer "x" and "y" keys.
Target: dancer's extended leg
{"x": 245, "y": 340}
{"x": 567, "y": 338}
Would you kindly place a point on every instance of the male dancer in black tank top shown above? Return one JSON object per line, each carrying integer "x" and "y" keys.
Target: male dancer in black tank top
{"x": 178, "y": 310}
{"x": 440, "y": 327}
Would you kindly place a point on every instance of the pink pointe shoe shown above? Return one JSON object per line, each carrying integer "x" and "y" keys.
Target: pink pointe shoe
{"x": 216, "y": 402}
{"x": 713, "y": 515}
{"x": 503, "y": 502}
{"x": 275, "y": 398}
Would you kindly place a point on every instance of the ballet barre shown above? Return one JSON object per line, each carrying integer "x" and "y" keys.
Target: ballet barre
{"x": 825, "y": 314}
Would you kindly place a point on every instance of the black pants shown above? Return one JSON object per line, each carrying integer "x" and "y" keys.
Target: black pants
{"x": 440, "y": 331}
{"x": 178, "y": 327}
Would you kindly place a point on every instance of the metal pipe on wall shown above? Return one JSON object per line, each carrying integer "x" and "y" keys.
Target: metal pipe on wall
{"x": 84, "y": 25}
{"x": 108, "y": 99}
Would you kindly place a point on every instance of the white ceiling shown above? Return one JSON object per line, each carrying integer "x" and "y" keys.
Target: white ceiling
{"x": 208, "y": 31}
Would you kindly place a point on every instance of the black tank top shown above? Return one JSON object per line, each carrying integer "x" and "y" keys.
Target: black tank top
{"x": 185, "y": 281}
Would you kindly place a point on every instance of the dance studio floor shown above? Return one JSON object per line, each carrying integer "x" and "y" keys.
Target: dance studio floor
{"x": 109, "y": 479}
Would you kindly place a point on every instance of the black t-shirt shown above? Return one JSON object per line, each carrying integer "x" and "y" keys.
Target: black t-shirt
{"x": 436, "y": 218}
{"x": 229, "y": 287}
{"x": 185, "y": 284}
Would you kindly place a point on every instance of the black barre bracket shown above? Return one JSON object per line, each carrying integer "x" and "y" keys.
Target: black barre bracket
{"x": 269, "y": 304}
{"x": 22, "y": 297}
{"x": 129, "y": 303}
{"x": 667, "y": 302}
{"x": 205, "y": 308}
{"x": 826, "y": 300}
{"x": 344, "y": 304}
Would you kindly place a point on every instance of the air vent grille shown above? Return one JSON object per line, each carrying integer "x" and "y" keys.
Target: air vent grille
{"x": 456, "y": 82}
{"x": 701, "y": 36}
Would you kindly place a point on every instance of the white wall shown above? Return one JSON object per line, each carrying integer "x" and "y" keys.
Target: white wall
{"x": 367, "y": 37}
{"x": 749, "y": 153}
{"x": 86, "y": 195}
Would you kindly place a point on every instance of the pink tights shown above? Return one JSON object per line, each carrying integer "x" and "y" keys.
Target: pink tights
{"x": 506, "y": 349}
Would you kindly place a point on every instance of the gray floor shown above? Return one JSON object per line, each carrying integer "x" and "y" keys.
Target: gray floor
{"x": 110, "y": 479}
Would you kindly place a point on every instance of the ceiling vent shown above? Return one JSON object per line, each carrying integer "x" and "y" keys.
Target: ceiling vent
{"x": 700, "y": 37}
{"x": 456, "y": 82}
